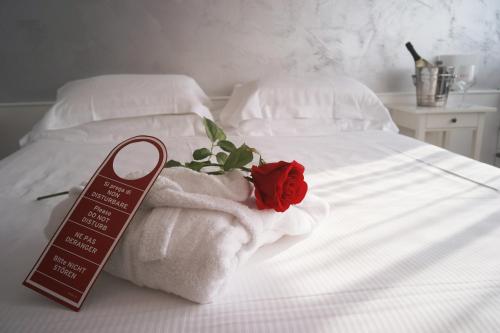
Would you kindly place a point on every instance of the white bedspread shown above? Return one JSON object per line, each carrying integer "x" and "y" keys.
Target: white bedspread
{"x": 413, "y": 246}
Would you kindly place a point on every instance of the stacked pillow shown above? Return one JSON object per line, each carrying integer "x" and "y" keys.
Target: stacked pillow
{"x": 123, "y": 96}
{"x": 310, "y": 105}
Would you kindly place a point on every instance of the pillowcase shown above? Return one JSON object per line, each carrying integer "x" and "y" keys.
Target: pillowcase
{"x": 351, "y": 105}
{"x": 285, "y": 127}
{"x": 122, "y": 96}
{"x": 116, "y": 130}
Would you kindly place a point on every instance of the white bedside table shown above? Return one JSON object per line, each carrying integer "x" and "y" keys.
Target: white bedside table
{"x": 429, "y": 119}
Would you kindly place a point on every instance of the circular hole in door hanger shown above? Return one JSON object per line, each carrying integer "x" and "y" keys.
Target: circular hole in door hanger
{"x": 136, "y": 160}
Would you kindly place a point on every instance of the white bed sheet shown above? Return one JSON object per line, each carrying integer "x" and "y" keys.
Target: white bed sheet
{"x": 411, "y": 246}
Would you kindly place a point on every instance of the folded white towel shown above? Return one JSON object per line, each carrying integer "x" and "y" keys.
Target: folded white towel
{"x": 193, "y": 231}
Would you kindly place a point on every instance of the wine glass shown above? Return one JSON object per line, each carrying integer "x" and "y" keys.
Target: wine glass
{"x": 465, "y": 71}
{"x": 465, "y": 78}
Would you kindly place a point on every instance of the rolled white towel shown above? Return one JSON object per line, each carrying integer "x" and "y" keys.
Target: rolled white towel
{"x": 193, "y": 230}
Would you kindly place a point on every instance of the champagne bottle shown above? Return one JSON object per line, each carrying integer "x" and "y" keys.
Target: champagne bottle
{"x": 419, "y": 61}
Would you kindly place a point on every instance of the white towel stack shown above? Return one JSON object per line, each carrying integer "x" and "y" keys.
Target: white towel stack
{"x": 194, "y": 230}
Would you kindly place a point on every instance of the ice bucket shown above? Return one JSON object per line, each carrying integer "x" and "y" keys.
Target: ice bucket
{"x": 433, "y": 85}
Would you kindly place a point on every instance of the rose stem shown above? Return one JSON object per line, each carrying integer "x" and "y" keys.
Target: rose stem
{"x": 52, "y": 195}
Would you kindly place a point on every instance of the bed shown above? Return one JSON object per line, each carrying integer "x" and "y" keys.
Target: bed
{"x": 411, "y": 244}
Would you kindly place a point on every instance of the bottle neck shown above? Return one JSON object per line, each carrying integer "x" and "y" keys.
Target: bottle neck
{"x": 412, "y": 51}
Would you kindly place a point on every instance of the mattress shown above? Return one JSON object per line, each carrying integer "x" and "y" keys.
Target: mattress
{"x": 411, "y": 244}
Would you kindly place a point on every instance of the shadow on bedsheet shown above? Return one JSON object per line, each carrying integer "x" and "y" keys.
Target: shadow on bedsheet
{"x": 378, "y": 177}
{"x": 397, "y": 169}
{"x": 417, "y": 262}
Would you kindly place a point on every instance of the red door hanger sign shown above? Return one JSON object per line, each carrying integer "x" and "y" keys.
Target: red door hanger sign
{"x": 76, "y": 254}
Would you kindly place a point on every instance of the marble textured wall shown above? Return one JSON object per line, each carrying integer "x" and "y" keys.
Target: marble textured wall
{"x": 221, "y": 42}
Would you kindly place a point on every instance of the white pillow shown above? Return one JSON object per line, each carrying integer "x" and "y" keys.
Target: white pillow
{"x": 122, "y": 96}
{"x": 285, "y": 127}
{"x": 113, "y": 130}
{"x": 352, "y": 105}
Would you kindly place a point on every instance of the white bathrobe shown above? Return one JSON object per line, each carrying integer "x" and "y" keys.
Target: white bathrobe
{"x": 194, "y": 230}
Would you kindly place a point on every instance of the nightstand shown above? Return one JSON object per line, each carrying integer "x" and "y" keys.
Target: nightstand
{"x": 429, "y": 119}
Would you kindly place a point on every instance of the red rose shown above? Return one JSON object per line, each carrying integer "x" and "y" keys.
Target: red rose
{"x": 279, "y": 185}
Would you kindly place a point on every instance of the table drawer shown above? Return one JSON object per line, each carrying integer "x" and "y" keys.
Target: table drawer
{"x": 452, "y": 120}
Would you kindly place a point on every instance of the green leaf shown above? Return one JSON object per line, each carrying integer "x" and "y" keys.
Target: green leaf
{"x": 213, "y": 131}
{"x": 221, "y": 157}
{"x": 239, "y": 158}
{"x": 197, "y": 166}
{"x": 227, "y": 146}
{"x": 172, "y": 163}
{"x": 201, "y": 153}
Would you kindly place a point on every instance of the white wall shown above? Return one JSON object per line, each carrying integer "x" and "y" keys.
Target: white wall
{"x": 220, "y": 42}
